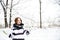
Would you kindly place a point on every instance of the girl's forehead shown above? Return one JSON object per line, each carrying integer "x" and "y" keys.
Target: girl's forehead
{"x": 18, "y": 19}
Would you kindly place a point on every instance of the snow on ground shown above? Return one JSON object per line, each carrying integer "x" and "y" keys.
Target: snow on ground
{"x": 35, "y": 34}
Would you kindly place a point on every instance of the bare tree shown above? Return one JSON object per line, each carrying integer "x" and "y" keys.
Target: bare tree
{"x": 5, "y": 11}
{"x": 10, "y": 14}
{"x": 40, "y": 15}
{"x": 5, "y": 7}
{"x": 12, "y": 5}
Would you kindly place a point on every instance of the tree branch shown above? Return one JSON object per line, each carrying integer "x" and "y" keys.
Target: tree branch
{"x": 16, "y": 3}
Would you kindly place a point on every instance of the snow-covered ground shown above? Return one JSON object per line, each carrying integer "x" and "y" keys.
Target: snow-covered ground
{"x": 35, "y": 34}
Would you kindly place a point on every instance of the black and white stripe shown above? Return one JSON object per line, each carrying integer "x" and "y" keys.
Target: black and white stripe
{"x": 18, "y": 32}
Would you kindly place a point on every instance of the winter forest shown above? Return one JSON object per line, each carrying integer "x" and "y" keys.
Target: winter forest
{"x": 34, "y": 13}
{"x": 41, "y": 16}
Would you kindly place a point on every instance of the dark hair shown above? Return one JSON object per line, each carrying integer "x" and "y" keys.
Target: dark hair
{"x": 17, "y": 19}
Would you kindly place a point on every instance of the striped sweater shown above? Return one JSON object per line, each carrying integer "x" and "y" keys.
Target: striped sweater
{"x": 18, "y": 32}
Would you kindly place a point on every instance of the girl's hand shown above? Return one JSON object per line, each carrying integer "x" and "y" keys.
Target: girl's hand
{"x": 27, "y": 32}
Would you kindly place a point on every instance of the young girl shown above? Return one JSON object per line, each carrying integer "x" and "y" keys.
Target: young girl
{"x": 18, "y": 30}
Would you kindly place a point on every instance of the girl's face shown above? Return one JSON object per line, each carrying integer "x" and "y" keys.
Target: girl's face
{"x": 19, "y": 21}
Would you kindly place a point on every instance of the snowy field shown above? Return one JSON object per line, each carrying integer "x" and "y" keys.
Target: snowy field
{"x": 35, "y": 34}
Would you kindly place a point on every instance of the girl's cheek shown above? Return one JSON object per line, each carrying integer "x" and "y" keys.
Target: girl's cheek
{"x": 19, "y": 22}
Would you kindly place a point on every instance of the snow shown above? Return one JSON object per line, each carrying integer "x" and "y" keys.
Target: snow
{"x": 35, "y": 34}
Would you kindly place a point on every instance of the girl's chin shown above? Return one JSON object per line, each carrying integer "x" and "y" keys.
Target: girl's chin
{"x": 19, "y": 24}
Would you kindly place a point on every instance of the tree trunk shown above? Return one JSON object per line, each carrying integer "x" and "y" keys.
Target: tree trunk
{"x": 10, "y": 14}
{"x": 40, "y": 15}
{"x": 5, "y": 15}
